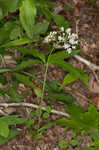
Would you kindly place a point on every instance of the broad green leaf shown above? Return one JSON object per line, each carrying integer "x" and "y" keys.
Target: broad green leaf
{"x": 3, "y": 80}
{"x": 10, "y": 5}
{"x": 44, "y": 4}
{"x": 48, "y": 109}
{"x": 38, "y": 92}
{"x": 4, "y": 129}
{"x": 27, "y": 63}
{"x": 27, "y": 16}
{"x": 63, "y": 144}
{"x": 52, "y": 86}
{"x": 5, "y": 31}
{"x": 46, "y": 13}
{"x": 12, "y": 133}
{"x": 24, "y": 79}
{"x": 74, "y": 142}
{"x": 69, "y": 78}
{"x": 29, "y": 123}
{"x": 12, "y": 120}
{"x": 89, "y": 148}
{"x": 1, "y": 13}
{"x": 60, "y": 96}
{"x": 61, "y": 55}
{"x": 73, "y": 70}
{"x": 7, "y": 6}
{"x": 46, "y": 126}
{"x": 80, "y": 121}
{"x": 16, "y": 33}
{"x": 32, "y": 52}
{"x": 40, "y": 28}
{"x": 60, "y": 20}
{"x": 46, "y": 115}
{"x": 38, "y": 113}
{"x": 92, "y": 1}
{"x": 19, "y": 42}
{"x": 4, "y": 70}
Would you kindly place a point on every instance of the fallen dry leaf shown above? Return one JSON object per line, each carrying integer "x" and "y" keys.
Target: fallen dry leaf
{"x": 93, "y": 85}
{"x": 95, "y": 100}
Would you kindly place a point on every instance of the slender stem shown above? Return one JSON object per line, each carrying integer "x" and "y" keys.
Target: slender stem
{"x": 44, "y": 83}
{"x": 3, "y": 61}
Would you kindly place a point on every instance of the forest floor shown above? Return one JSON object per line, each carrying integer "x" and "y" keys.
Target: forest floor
{"x": 83, "y": 17}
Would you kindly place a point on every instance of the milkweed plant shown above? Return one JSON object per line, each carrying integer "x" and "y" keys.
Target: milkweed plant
{"x": 63, "y": 39}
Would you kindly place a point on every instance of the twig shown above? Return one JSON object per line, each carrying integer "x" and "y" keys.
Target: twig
{"x": 2, "y": 112}
{"x": 91, "y": 66}
{"x": 86, "y": 62}
{"x": 32, "y": 106}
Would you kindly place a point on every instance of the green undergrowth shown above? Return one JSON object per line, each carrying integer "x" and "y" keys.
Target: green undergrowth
{"x": 23, "y": 26}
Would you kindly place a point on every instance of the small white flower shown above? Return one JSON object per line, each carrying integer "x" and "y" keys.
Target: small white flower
{"x": 74, "y": 35}
{"x": 62, "y": 29}
{"x": 73, "y": 47}
{"x": 76, "y": 42}
{"x": 65, "y": 46}
{"x": 68, "y": 31}
{"x": 72, "y": 41}
{"x": 54, "y": 32}
{"x": 69, "y": 50}
{"x": 60, "y": 38}
{"x": 63, "y": 34}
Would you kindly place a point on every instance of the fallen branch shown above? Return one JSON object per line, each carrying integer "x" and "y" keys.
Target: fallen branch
{"x": 32, "y": 106}
{"x": 2, "y": 113}
{"x": 86, "y": 62}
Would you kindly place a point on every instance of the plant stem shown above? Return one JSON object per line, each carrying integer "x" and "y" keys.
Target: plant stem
{"x": 44, "y": 83}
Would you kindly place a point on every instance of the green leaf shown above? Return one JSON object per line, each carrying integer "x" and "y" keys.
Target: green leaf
{"x": 60, "y": 20}
{"x": 10, "y": 5}
{"x": 38, "y": 112}
{"x": 74, "y": 142}
{"x": 87, "y": 122}
{"x": 90, "y": 148}
{"x": 12, "y": 133}
{"x": 38, "y": 92}
{"x": 5, "y": 31}
{"x": 44, "y": 4}
{"x": 32, "y": 52}
{"x": 24, "y": 79}
{"x": 48, "y": 109}
{"x": 7, "y": 6}
{"x": 27, "y": 16}
{"x": 4, "y": 70}
{"x": 3, "y": 80}
{"x": 27, "y": 63}
{"x": 47, "y": 13}
{"x": 19, "y": 42}
{"x": 60, "y": 96}
{"x": 60, "y": 56}
{"x": 46, "y": 126}
{"x": 73, "y": 70}
{"x": 16, "y": 33}
{"x": 40, "y": 28}
{"x": 4, "y": 129}
{"x": 46, "y": 115}
{"x": 69, "y": 78}
{"x": 63, "y": 144}
{"x": 92, "y": 1}
{"x": 29, "y": 123}
{"x": 53, "y": 93}
{"x": 12, "y": 119}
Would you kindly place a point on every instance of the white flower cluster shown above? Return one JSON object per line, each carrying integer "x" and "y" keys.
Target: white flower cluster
{"x": 64, "y": 39}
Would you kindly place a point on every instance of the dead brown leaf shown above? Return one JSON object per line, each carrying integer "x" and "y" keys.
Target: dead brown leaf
{"x": 93, "y": 85}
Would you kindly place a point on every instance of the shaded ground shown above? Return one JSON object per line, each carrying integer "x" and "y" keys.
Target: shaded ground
{"x": 85, "y": 17}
